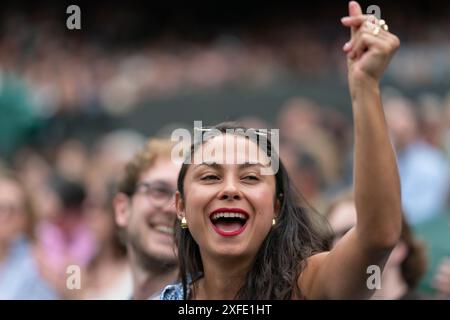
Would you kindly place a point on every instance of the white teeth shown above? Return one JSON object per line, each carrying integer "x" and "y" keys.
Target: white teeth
{"x": 218, "y": 215}
{"x": 164, "y": 229}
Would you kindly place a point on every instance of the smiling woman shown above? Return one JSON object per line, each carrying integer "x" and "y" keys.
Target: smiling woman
{"x": 249, "y": 229}
{"x": 247, "y": 235}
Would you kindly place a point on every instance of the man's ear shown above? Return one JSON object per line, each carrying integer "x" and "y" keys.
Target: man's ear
{"x": 122, "y": 210}
{"x": 179, "y": 205}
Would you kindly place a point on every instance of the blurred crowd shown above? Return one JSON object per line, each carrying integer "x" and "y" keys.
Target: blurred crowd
{"x": 56, "y": 210}
{"x": 56, "y": 203}
{"x": 75, "y": 72}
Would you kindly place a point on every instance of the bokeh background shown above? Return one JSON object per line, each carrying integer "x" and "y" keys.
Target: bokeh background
{"x": 76, "y": 104}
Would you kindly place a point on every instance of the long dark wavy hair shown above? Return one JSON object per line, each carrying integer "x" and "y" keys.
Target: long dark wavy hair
{"x": 282, "y": 255}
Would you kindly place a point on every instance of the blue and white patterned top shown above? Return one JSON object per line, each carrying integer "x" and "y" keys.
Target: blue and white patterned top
{"x": 172, "y": 292}
{"x": 175, "y": 291}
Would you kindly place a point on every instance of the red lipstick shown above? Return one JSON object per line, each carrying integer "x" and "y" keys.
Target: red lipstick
{"x": 225, "y": 233}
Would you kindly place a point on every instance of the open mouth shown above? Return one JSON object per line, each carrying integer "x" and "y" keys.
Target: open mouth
{"x": 229, "y": 222}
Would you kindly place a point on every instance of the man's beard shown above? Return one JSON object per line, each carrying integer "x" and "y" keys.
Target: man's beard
{"x": 149, "y": 261}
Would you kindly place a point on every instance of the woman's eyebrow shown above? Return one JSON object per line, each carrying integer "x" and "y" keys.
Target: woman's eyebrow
{"x": 218, "y": 166}
{"x": 213, "y": 165}
{"x": 250, "y": 164}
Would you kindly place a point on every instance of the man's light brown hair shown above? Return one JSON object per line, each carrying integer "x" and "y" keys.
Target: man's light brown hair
{"x": 154, "y": 149}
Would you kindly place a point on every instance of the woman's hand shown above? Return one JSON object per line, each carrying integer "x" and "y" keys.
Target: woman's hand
{"x": 370, "y": 48}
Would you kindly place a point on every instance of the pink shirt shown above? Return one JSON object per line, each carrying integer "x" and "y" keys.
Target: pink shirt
{"x": 61, "y": 248}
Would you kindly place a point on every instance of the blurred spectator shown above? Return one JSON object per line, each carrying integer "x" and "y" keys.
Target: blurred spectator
{"x": 436, "y": 234}
{"x": 64, "y": 238}
{"x": 406, "y": 264}
{"x": 430, "y": 119}
{"x": 111, "y": 153}
{"x": 108, "y": 274}
{"x": 441, "y": 281}
{"x": 145, "y": 211}
{"x": 254, "y": 123}
{"x": 305, "y": 173}
{"x": 71, "y": 159}
{"x": 301, "y": 123}
{"x": 446, "y": 124}
{"x": 18, "y": 116}
{"x": 424, "y": 171}
{"x": 19, "y": 276}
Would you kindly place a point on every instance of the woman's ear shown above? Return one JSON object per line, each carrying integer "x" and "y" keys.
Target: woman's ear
{"x": 179, "y": 205}
{"x": 278, "y": 202}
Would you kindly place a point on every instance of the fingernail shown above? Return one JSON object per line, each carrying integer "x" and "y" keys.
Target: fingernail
{"x": 346, "y": 46}
{"x": 345, "y": 19}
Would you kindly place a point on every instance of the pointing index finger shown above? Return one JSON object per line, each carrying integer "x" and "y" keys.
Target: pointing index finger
{"x": 354, "y": 9}
{"x": 355, "y": 21}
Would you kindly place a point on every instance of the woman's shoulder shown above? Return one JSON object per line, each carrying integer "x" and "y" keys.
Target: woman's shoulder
{"x": 172, "y": 292}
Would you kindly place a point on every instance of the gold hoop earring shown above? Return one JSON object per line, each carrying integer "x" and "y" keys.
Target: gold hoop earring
{"x": 184, "y": 223}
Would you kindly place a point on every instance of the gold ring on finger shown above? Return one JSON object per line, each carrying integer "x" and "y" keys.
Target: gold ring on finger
{"x": 383, "y": 25}
{"x": 376, "y": 30}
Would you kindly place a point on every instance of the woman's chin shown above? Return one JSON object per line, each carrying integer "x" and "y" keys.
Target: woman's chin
{"x": 230, "y": 251}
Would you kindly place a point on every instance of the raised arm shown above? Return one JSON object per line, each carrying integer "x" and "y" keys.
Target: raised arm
{"x": 342, "y": 273}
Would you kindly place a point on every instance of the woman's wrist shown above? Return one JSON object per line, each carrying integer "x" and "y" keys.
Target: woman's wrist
{"x": 363, "y": 86}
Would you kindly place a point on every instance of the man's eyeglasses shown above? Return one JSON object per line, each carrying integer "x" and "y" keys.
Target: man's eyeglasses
{"x": 160, "y": 194}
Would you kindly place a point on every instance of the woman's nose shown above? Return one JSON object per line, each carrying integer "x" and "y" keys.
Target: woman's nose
{"x": 230, "y": 191}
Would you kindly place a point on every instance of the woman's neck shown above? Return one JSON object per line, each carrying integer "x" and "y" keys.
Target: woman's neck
{"x": 221, "y": 281}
